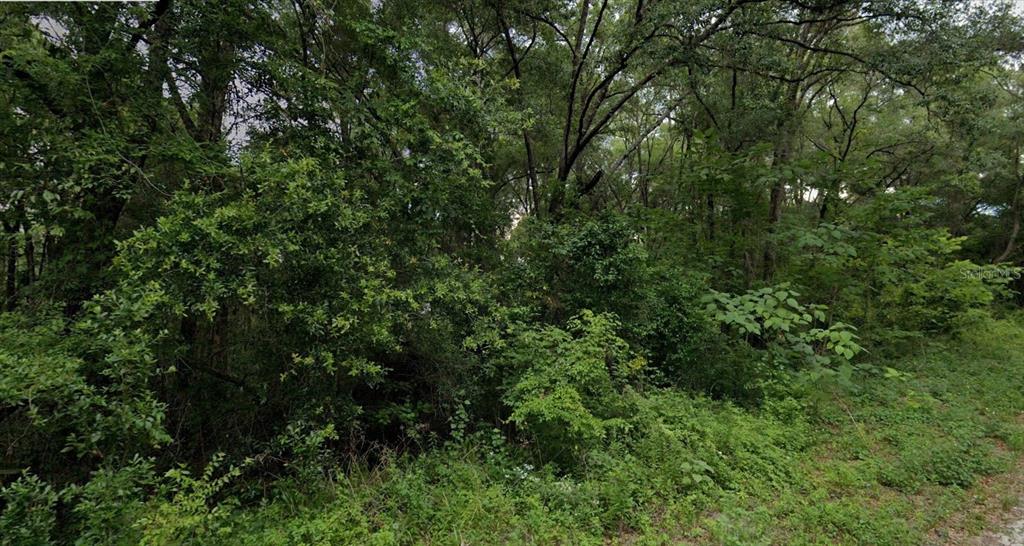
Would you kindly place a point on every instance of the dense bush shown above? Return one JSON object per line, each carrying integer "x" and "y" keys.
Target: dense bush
{"x": 29, "y": 515}
{"x": 567, "y": 388}
{"x": 891, "y": 274}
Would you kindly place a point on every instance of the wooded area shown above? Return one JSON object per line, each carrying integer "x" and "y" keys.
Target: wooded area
{"x": 590, "y": 266}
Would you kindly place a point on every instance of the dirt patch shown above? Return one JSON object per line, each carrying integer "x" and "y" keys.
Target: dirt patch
{"x": 993, "y": 515}
{"x": 1011, "y": 535}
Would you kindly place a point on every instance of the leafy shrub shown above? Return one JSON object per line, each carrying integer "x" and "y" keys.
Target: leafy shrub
{"x": 897, "y": 276}
{"x": 683, "y": 345}
{"x": 888, "y": 271}
{"x": 289, "y": 295}
{"x": 602, "y": 264}
{"x": 792, "y": 336}
{"x": 566, "y": 388}
{"x": 305, "y": 448}
{"x": 581, "y": 263}
{"x": 194, "y": 512}
{"x": 86, "y": 385}
{"x": 106, "y": 507}
{"x": 29, "y": 512}
{"x": 922, "y": 288}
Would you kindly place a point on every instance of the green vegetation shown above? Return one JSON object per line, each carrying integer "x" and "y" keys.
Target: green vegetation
{"x": 883, "y": 464}
{"x": 508, "y": 272}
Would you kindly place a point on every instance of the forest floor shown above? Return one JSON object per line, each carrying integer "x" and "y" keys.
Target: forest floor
{"x": 932, "y": 454}
{"x": 1003, "y": 527}
{"x": 1012, "y": 535}
{"x": 993, "y": 515}
{"x": 927, "y": 448}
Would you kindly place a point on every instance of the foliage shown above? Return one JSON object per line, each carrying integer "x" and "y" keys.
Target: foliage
{"x": 87, "y": 388}
{"x": 29, "y": 515}
{"x": 695, "y": 469}
{"x": 193, "y": 514}
{"x": 108, "y": 505}
{"x": 567, "y": 389}
{"x": 790, "y": 336}
{"x": 597, "y": 264}
{"x": 528, "y": 272}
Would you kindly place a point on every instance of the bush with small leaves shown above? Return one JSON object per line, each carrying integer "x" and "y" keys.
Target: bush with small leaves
{"x": 29, "y": 512}
{"x": 565, "y": 387}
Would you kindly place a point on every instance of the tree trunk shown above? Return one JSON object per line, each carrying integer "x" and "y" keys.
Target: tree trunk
{"x": 10, "y": 292}
{"x": 531, "y": 168}
{"x": 782, "y": 154}
{"x": 1011, "y": 243}
{"x": 774, "y": 215}
{"x": 30, "y": 258}
{"x": 710, "y": 203}
{"x": 216, "y": 70}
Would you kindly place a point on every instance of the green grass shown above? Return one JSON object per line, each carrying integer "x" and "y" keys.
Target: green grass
{"x": 884, "y": 464}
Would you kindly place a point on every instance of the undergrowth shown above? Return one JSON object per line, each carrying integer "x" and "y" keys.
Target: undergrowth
{"x": 882, "y": 461}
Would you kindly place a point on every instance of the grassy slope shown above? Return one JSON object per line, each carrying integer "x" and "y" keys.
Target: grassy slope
{"x": 886, "y": 465}
{"x": 893, "y": 463}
